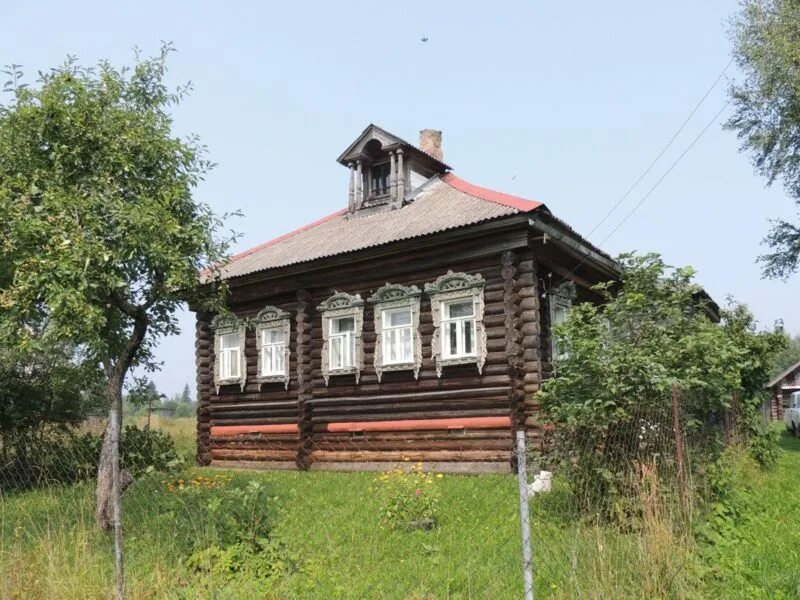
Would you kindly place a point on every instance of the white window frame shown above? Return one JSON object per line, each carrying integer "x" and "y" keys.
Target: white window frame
{"x": 460, "y": 336}
{"x": 224, "y": 327}
{"x": 387, "y": 329}
{"x": 445, "y": 290}
{"x": 386, "y": 299}
{"x": 230, "y": 356}
{"x": 276, "y": 351}
{"x": 342, "y": 304}
{"x": 270, "y": 319}
{"x": 347, "y": 344}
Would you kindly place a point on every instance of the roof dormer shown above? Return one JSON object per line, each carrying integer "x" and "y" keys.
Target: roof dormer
{"x": 384, "y": 168}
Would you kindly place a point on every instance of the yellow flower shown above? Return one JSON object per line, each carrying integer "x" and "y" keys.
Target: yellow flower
{"x": 439, "y": 476}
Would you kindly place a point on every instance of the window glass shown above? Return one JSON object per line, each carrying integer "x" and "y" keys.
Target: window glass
{"x": 397, "y": 318}
{"x": 343, "y": 324}
{"x": 272, "y": 336}
{"x": 229, "y": 356}
{"x": 461, "y": 309}
{"x": 397, "y": 336}
{"x": 229, "y": 340}
{"x": 272, "y": 351}
{"x": 342, "y": 343}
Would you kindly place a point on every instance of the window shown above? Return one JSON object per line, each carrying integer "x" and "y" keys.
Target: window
{"x": 229, "y": 358}
{"x": 273, "y": 328}
{"x": 379, "y": 180}
{"x": 458, "y": 328}
{"x": 342, "y": 324}
{"x": 342, "y": 343}
{"x": 459, "y": 337}
{"x": 559, "y": 314}
{"x": 397, "y": 336}
{"x": 273, "y": 347}
{"x": 398, "y": 344}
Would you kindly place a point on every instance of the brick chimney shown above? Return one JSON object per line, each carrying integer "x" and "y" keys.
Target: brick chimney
{"x": 430, "y": 142}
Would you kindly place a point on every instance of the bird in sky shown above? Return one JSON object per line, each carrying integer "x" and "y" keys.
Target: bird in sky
{"x": 424, "y": 39}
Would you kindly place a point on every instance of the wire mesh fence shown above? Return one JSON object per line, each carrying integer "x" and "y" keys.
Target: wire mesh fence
{"x": 610, "y": 515}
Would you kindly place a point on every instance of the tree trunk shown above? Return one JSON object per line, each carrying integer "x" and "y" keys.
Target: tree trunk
{"x": 108, "y": 493}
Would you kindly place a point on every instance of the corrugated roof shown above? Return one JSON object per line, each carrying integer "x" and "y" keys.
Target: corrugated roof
{"x": 783, "y": 375}
{"x": 445, "y": 202}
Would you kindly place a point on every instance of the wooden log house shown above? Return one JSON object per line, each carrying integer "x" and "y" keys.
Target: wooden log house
{"x": 414, "y": 324}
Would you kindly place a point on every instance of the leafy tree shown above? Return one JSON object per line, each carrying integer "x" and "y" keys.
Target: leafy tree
{"x": 766, "y": 40}
{"x": 623, "y": 358}
{"x": 100, "y": 232}
{"x": 788, "y": 356}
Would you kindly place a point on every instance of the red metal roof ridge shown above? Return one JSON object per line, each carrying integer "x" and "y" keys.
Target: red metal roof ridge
{"x": 280, "y": 238}
{"x": 490, "y": 195}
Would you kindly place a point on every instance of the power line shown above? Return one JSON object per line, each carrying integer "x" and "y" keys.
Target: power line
{"x": 663, "y": 150}
{"x": 667, "y": 172}
{"x": 653, "y": 188}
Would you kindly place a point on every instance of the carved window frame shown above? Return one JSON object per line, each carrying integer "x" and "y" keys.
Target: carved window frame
{"x": 457, "y": 286}
{"x": 342, "y": 304}
{"x": 272, "y": 317}
{"x": 562, "y": 296}
{"x": 389, "y": 297}
{"x": 223, "y": 325}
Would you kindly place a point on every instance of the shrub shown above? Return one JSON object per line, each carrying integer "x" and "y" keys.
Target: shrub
{"x": 234, "y": 521}
{"x": 408, "y": 498}
{"x": 55, "y": 456}
{"x": 145, "y": 450}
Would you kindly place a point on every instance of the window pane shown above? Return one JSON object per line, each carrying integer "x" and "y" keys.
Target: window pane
{"x": 336, "y": 353}
{"x": 461, "y": 309}
{"x": 343, "y": 324}
{"x": 406, "y": 353}
{"x": 278, "y": 358}
{"x": 468, "y": 326}
{"x": 229, "y": 340}
{"x": 452, "y": 338}
{"x": 560, "y": 314}
{"x": 350, "y": 344}
{"x": 233, "y": 355}
{"x": 398, "y": 318}
{"x": 273, "y": 336}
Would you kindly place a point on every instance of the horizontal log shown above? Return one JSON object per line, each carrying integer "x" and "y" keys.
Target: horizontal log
{"x": 411, "y": 455}
{"x": 466, "y": 419}
{"x": 259, "y": 454}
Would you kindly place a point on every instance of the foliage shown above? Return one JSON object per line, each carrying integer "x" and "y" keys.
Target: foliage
{"x": 766, "y": 40}
{"x": 59, "y": 456}
{"x": 788, "y": 356}
{"x": 235, "y": 521}
{"x": 408, "y": 499}
{"x": 611, "y": 402}
{"x": 143, "y": 450}
{"x": 100, "y": 233}
{"x": 44, "y": 385}
{"x": 100, "y": 229}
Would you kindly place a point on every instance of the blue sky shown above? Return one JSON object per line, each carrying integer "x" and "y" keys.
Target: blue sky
{"x": 561, "y": 103}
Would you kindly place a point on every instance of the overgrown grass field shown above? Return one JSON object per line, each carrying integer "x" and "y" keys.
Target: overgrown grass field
{"x": 329, "y": 541}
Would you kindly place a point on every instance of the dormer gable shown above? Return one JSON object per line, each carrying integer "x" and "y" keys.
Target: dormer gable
{"x": 385, "y": 169}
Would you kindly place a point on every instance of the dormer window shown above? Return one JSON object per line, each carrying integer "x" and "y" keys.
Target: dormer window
{"x": 379, "y": 180}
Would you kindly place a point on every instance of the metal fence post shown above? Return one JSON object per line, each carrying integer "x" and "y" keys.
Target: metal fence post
{"x": 524, "y": 515}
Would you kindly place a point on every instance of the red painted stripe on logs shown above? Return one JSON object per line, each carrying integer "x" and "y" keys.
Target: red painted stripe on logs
{"x": 237, "y": 429}
{"x": 422, "y": 424}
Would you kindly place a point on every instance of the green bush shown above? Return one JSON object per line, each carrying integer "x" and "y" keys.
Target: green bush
{"x": 57, "y": 456}
{"x": 409, "y": 499}
{"x": 228, "y": 526}
{"x": 145, "y": 450}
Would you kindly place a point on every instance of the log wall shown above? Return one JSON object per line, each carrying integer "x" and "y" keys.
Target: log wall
{"x": 462, "y": 416}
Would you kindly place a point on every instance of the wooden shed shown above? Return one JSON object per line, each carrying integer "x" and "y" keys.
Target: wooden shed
{"x": 780, "y": 388}
{"x": 412, "y": 324}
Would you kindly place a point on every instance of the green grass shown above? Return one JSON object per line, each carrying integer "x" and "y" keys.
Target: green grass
{"x": 761, "y": 560}
{"x": 330, "y": 523}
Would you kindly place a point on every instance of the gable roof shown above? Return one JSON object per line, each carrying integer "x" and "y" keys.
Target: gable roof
{"x": 783, "y": 375}
{"x": 445, "y": 202}
{"x": 373, "y": 132}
